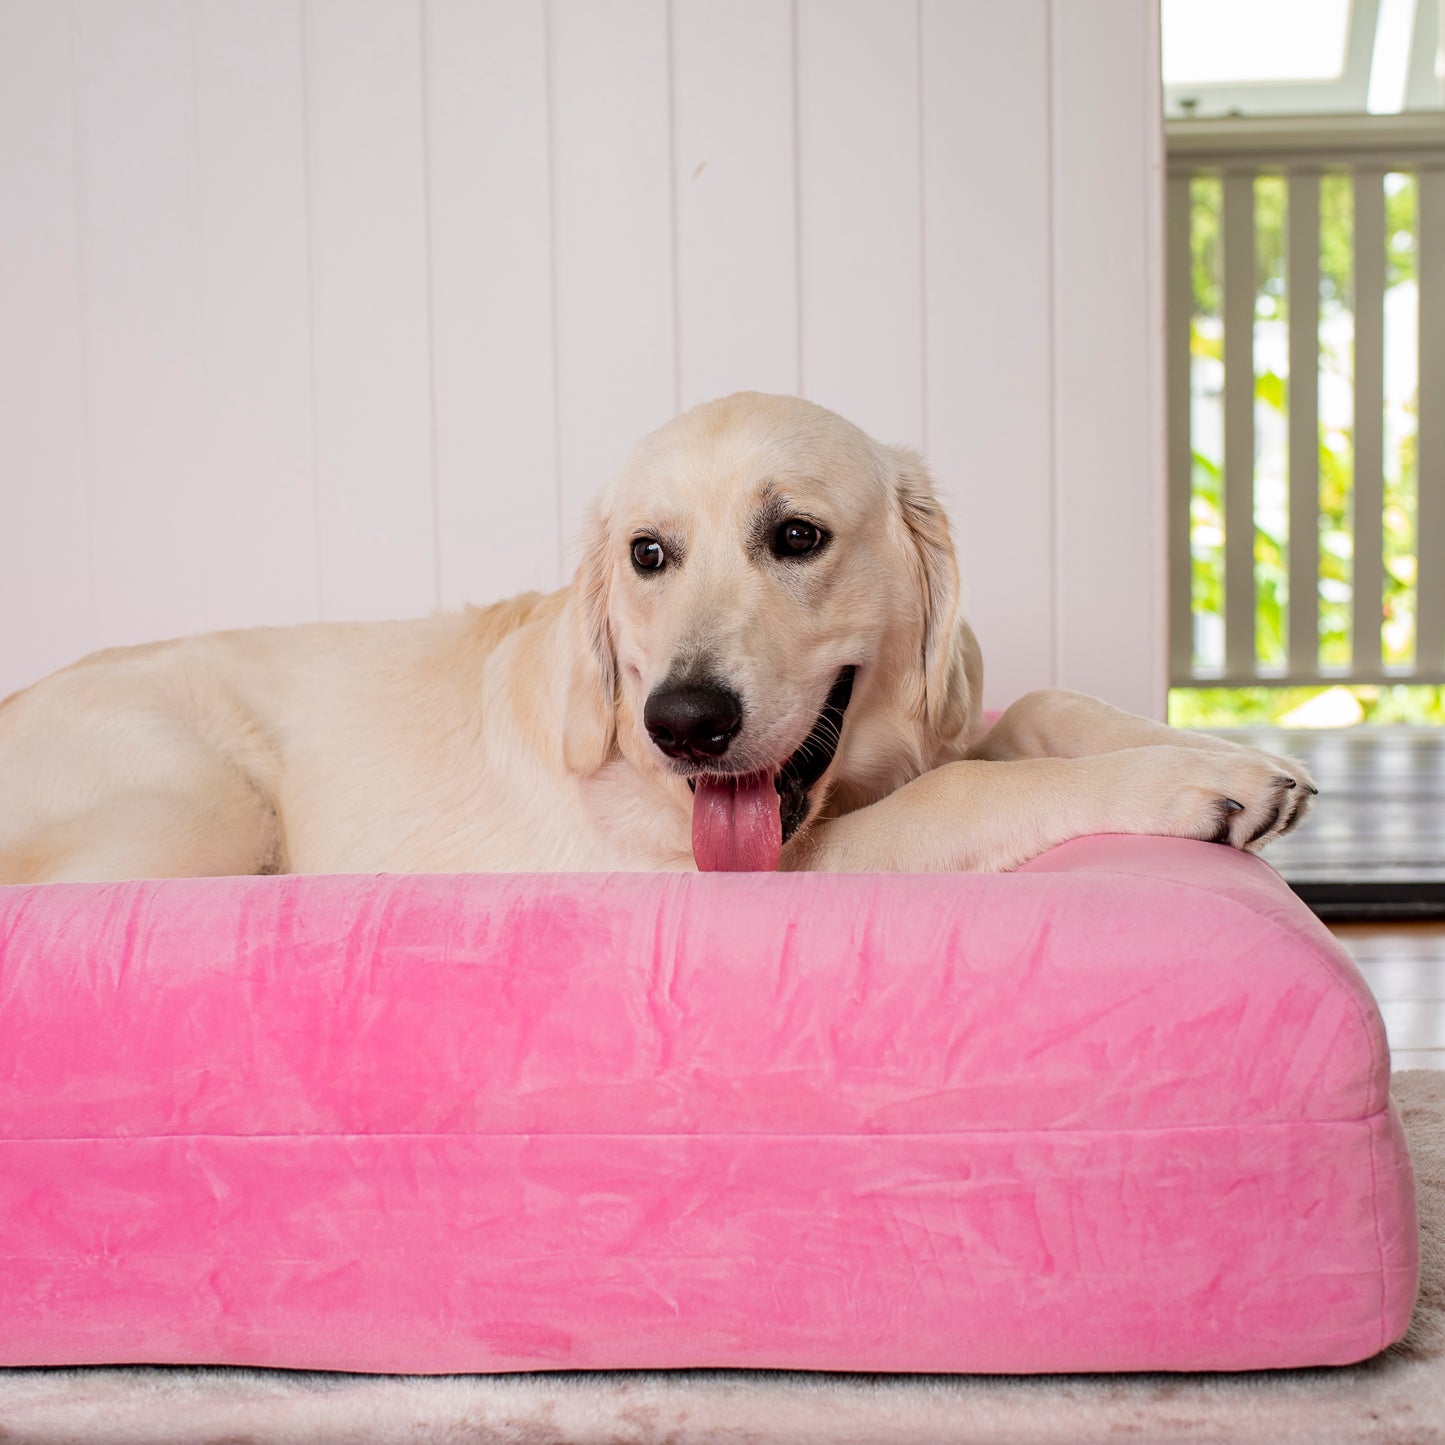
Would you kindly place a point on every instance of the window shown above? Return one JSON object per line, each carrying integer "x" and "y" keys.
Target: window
{"x": 1302, "y": 57}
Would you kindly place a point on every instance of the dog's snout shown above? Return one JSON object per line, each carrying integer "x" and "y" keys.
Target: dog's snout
{"x": 693, "y": 721}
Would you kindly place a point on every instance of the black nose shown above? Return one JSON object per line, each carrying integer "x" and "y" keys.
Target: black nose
{"x": 696, "y": 721}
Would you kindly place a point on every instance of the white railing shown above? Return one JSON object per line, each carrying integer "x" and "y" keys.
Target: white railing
{"x": 1215, "y": 631}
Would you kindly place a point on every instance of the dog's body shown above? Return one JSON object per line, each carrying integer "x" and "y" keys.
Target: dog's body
{"x": 759, "y": 664}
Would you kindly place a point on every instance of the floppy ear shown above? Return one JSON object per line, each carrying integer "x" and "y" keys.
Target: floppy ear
{"x": 951, "y": 665}
{"x": 589, "y": 728}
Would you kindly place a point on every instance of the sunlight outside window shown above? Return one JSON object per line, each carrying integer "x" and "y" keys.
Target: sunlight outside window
{"x": 1390, "y": 64}
{"x": 1301, "y": 57}
{"x": 1231, "y": 42}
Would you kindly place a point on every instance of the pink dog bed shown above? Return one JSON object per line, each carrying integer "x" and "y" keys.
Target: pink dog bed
{"x": 1125, "y": 1109}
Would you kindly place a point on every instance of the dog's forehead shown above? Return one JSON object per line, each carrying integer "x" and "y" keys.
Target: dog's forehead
{"x": 726, "y": 457}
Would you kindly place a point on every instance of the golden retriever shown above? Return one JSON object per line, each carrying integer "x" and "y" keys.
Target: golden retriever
{"x": 759, "y": 664}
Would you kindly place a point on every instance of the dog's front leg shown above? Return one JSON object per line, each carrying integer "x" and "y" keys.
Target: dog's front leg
{"x": 991, "y": 816}
{"x": 1056, "y": 723}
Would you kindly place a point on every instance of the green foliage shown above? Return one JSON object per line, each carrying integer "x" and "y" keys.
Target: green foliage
{"x": 1337, "y": 235}
{"x": 1206, "y": 210}
{"x": 1337, "y": 228}
{"x": 1214, "y": 707}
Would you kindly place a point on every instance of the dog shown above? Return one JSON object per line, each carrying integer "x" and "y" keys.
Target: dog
{"x": 759, "y": 664}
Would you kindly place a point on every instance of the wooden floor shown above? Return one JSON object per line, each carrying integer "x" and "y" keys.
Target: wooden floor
{"x": 1404, "y": 964}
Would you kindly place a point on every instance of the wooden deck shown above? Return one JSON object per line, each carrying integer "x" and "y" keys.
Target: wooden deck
{"x": 1374, "y": 847}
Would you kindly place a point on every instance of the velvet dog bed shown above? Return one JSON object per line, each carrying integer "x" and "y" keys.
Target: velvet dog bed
{"x": 1124, "y": 1109}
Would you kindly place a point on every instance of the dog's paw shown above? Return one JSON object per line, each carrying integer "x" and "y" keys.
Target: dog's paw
{"x": 1238, "y": 795}
{"x": 1291, "y": 794}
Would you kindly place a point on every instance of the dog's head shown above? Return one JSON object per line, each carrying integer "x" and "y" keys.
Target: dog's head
{"x": 767, "y": 607}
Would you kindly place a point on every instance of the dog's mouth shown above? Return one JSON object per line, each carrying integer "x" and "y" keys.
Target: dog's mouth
{"x": 741, "y": 821}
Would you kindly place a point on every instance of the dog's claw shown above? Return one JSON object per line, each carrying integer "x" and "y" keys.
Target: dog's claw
{"x": 1266, "y": 827}
{"x": 1230, "y": 806}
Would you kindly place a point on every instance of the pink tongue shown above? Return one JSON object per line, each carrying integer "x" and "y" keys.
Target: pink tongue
{"x": 737, "y": 825}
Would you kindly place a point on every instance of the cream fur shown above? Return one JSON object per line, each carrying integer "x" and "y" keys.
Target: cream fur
{"x": 510, "y": 737}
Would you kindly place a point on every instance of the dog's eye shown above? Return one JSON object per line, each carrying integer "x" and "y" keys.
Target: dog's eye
{"x": 796, "y": 538}
{"x": 647, "y": 555}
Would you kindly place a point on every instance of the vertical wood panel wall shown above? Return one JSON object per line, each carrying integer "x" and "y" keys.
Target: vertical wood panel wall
{"x": 345, "y": 308}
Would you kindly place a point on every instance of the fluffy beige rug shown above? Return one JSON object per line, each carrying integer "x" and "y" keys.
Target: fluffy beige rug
{"x": 1398, "y": 1397}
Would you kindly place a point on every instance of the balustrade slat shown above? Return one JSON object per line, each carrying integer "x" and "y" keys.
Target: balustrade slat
{"x": 1302, "y": 261}
{"x": 1180, "y": 313}
{"x": 1369, "y": 481}
{"x": 1239, "y": 599}
{"x": 1430, "y": 634}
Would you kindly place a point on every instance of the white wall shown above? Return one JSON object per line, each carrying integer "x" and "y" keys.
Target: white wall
{"x": 343, "y": 308}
